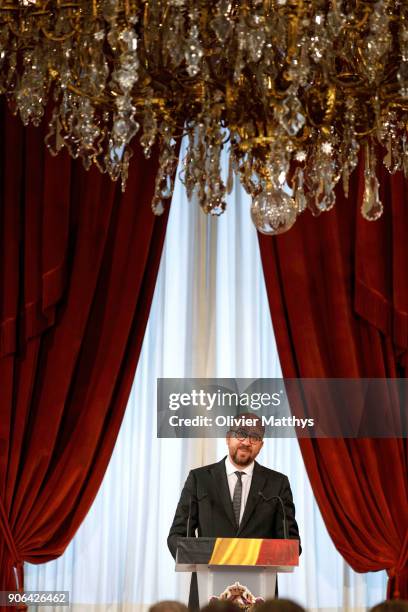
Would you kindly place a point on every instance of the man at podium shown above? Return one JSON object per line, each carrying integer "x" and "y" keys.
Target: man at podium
{"x": 236, "y": 497}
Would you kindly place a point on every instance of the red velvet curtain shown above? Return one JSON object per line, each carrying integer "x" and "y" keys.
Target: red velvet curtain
{"x": 338, "y": 293}
{"x": 78, "y": 267}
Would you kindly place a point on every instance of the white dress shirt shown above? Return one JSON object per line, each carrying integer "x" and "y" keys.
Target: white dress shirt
{"x": 232, "y": 481}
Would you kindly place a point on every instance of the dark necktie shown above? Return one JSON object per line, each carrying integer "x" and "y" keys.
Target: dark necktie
{"x": 237, "y": 497}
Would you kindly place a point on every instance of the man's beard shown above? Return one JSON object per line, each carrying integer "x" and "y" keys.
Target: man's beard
{"x": 242, "y": 460}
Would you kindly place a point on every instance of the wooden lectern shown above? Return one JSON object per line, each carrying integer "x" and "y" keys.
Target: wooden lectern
{"x": 240, "y": 567}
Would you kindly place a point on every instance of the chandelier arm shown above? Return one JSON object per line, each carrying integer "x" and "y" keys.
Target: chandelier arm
{"x": 50, "y": 36}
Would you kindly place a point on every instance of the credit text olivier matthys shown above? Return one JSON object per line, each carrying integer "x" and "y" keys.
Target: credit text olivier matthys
{"x": 230, "y": 421}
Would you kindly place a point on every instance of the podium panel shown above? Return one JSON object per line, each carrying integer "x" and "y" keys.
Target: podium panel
{"x": 212, "y": 582}
{"x": 237, "y": 569}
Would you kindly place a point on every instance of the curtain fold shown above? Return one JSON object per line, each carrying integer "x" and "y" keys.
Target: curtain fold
{"x": 337, "y": 289}
{"x": 78, "y": 267}
{"x": 381, "y": 262}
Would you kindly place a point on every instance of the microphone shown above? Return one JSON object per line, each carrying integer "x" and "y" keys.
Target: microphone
{"x": 192, "y": 497}
{"x": 285, "y": 525}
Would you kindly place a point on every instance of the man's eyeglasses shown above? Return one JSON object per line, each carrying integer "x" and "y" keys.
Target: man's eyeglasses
{"x": 241, "y": 434}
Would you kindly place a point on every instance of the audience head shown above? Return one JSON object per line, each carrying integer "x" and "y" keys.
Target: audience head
{"x": 221, "y": 605}
{"x": 279, "y": 605}
{"x": 168, "y": 606}
{"x": 392, "y": 605}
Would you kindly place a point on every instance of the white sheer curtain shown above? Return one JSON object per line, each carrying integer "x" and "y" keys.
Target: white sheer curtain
{"x": 209, "y": 318}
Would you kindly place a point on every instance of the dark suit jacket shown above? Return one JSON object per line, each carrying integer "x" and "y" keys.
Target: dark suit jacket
{"x": 206, "y": 492}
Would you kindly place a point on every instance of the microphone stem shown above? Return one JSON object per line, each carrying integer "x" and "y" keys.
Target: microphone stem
{"x": 285, "y": 525}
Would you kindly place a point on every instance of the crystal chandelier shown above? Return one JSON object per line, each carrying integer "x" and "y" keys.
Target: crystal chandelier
{"x": 292, "y": 88}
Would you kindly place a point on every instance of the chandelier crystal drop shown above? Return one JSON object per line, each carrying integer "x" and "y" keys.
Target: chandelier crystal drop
{"x": 292, "y": 89}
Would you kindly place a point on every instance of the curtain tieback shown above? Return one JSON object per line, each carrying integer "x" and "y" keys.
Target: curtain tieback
{"x": 393, "y": 573}
{"x": 18, "y": 574}
{"x": 397, "y": 570}
{"x": 15, "y": 557}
